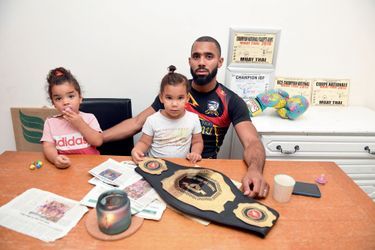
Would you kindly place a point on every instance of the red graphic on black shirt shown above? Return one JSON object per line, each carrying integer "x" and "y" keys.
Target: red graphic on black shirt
{"x": 220, "y": 120}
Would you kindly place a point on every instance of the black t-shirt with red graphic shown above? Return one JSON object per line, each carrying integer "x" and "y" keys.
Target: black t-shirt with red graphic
{"x": 216, "y": 110}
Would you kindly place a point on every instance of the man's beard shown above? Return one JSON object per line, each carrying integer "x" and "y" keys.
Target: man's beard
{"x": 203, "y": 80}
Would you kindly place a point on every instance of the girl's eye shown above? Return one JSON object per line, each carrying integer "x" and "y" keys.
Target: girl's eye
{"x": 57, "y": 98}
{"x": 71, "y": 96}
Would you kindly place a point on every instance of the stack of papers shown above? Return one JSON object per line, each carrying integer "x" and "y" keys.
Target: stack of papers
{"x": 40, "y": 214}
{"x": 144, "y": 201}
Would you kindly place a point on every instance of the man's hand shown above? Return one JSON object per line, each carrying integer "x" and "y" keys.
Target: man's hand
{"x": 193, "y": 157}
{"x": 62, "y": 161}
{"x": 253, "y": 182}
{"x": 254, "y": 185}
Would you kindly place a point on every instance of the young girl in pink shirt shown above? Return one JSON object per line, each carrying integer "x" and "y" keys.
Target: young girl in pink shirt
{"x": 72, "y": 131}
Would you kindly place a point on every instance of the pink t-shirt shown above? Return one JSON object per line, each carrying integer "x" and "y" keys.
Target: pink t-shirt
{"x": 69, "y": 140}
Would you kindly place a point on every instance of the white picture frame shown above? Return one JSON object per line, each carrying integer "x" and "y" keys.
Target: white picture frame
{"x": 253, "y": 48}
{"x": 248, "y": 83}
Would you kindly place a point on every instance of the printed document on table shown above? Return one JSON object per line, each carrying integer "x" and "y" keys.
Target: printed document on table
{"x": 42, "y": 215}
{"x": 91, "y": 198}
{"x": 140, "y": 194}
{"x": 113, "y": 172}
{"x": 139, "y": 191}
{"x": 154, "y": 210}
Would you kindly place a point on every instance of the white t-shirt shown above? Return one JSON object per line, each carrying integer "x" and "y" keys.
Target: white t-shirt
{"x": 171, "y": 137}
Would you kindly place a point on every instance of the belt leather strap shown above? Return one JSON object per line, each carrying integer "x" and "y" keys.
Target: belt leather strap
{"x": 207, "y": 194}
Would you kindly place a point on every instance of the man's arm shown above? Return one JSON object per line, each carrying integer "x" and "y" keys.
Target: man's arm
{"x": 253, "y": 182}
{"x": 128, "y": 127}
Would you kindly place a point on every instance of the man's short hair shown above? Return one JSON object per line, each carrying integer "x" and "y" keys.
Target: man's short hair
{"x": 208, "y": 39}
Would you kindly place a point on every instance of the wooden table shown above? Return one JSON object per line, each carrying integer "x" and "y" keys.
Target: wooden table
{"x": 343, "y": 218}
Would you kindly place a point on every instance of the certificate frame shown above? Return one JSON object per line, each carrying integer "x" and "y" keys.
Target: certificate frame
{"x": 295, "y": 86}
{"x": 253, "y": 48}
{"x": 330, "y": 92}
{"x": 248, "y": 83}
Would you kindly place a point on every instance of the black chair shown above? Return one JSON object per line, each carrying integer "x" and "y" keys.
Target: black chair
{"x": 109, "y": 112}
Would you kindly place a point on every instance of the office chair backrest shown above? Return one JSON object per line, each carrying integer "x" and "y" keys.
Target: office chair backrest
{"x": 109, "y": 112}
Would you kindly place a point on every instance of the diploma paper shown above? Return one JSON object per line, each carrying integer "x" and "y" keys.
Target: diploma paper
{"x": 330, "y": 92}
{"x": 249, "y": 84}
{"x": 295, "y": 86}
{"x": 253, "y": 48}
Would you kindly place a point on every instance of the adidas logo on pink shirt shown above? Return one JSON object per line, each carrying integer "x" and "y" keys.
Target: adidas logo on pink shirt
{"x": 71, "y": 141}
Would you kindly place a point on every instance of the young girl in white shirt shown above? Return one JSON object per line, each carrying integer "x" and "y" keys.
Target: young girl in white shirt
{"x": 172, "y": 131}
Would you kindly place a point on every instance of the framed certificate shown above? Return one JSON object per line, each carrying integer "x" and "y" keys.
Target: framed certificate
{"x": 330, "y": 92}
{"x": 295, "y": 86}
{"x": 249, "y": 83}
{"x": 253, "y": 48}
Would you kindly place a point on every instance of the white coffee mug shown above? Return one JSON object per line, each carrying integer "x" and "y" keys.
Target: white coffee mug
{"x": 283, "y": 187}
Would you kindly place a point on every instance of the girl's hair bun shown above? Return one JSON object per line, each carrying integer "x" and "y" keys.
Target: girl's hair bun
{"x": 58, "y": 72}
{"x": 171, "y": 69}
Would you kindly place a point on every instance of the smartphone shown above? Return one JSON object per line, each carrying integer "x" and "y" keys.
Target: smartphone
{"x": 306, "y": 189}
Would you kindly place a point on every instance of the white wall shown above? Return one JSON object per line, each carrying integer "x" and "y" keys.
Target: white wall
{"x": 119, "y": 48}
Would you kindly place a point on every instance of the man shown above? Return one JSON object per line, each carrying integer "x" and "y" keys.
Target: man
{"x": 217, "y": 107}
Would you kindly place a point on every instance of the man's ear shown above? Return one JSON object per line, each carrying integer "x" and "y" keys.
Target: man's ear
{"x": 221, "y": 61}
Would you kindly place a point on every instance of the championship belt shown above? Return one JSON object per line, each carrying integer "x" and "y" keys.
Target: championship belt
{"x": 207, "y": 194}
